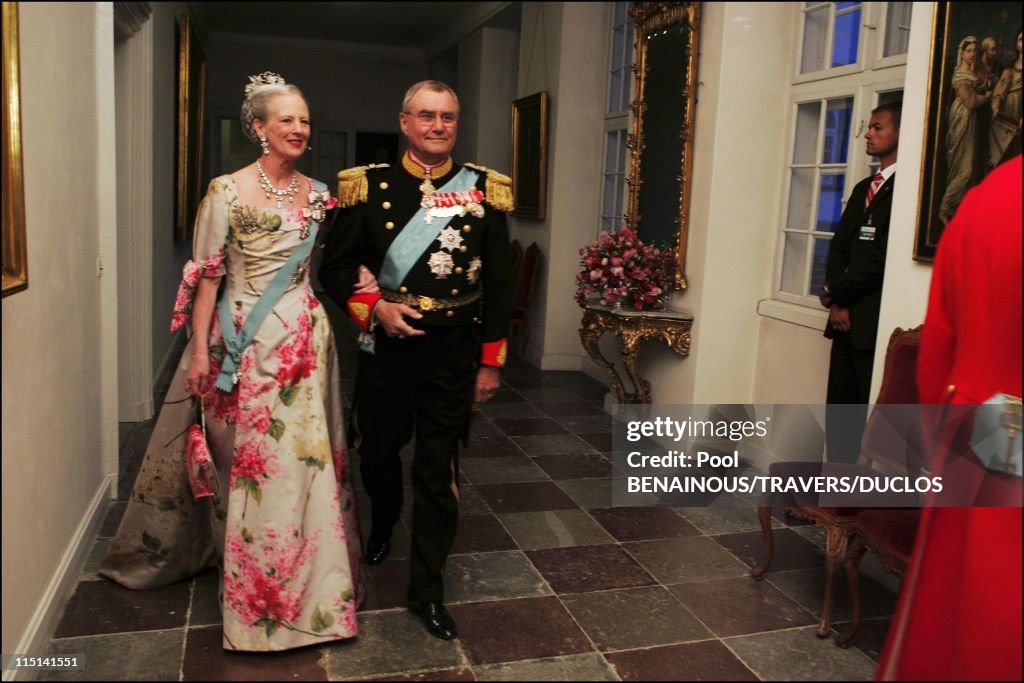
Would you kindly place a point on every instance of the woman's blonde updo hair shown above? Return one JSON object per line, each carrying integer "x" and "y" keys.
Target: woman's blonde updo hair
{"x": 257, "y": 93}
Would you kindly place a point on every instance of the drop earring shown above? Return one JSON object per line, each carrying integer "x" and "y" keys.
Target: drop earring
{"x": 265, "y": 146}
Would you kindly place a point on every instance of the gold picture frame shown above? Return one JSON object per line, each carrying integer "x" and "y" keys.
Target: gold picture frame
{"x": 530, "y": 156}
{"x": 942, "y": 189}
{"x": 15, "y": 259}
{"x": 191, "y": 112}
{"x": 663, "y": 108}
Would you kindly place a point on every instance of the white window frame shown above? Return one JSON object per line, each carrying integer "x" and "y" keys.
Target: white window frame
{"x": 616, "y": 121}
{"x": 863, "y": 82}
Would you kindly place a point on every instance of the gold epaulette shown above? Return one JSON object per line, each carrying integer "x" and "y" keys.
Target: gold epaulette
{"x": 353, "y": 187}
{"x": 498, "y": 189}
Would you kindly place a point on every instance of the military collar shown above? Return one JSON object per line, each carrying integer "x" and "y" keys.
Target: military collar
{"x": 418, "y": 170}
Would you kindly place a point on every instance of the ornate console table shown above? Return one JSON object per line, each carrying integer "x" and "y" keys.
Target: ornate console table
{"x": 631, "y": 327}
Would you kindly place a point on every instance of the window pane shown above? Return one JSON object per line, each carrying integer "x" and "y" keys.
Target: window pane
{"x": 620, "y": 186}
{"x": 897, "y": 28}
{"x": 618, "y": 46}
{"x": 815, "y": 29}
{"x": 801, "y": 194}
{"x": 837, "y": 131}
{"x": 844, "y": 5}
{"x": 844, "y": 42}
{"x": 806, "y": 142}
{"x": 614, "y": 91}
{"x": 609, "y": 195}
{"x": 793, "y": 256}
{"x": 611, "y": 150}
{"x": 620, "y": 142}
{"x": 890, "y": 96}
{"x": 819, "y": 261}
{"x": 830, "y": 202}
{"x": 620, "y": 13}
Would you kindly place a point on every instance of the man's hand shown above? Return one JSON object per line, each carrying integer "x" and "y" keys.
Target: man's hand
{"x": 367, "y": 283}
{"x": 839, "y": 317}
{"x": 392, "y": 317}
{"x": 488, "y": 381}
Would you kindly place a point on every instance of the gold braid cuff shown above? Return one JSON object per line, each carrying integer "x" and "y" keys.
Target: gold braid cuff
{"x": 353, "y": 187}
{"x": 498, "y": 188}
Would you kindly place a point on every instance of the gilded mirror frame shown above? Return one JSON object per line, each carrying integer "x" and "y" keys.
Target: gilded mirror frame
{"x": 650, "y": 17}
{"x": 15, "y": 261}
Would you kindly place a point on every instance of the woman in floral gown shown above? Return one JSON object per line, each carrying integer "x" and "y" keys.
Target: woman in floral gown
{"x": 282, "y": 526}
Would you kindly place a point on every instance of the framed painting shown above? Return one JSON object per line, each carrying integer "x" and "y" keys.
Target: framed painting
{"x": 15, "y": 263}
{"x": 530, "y": 156}
{"x": 191, "y": 111}
{"x": 973, "y": 110}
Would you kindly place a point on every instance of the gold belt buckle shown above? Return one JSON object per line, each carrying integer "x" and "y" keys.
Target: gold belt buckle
{"x": 426, "y": 303}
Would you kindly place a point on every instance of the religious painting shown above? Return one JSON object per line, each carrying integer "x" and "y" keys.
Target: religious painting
{"x": 973, "y": 110}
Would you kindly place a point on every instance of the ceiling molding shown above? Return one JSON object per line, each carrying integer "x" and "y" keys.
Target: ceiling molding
{"x": 129, "y": 17}
{"x": 477, "y": 14}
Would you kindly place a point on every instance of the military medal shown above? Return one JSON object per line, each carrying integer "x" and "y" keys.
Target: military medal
{"x": 473, "y": 272}
{"x": 450, "y": 239}
{"x": 427, "y": 202}
{"x": 441, "y": 264}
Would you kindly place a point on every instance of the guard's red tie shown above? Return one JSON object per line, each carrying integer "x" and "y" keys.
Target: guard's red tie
{"x": 876, "y": 183}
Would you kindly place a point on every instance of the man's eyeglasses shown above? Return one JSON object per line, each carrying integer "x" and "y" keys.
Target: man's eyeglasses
{"x": 427, "y": 117}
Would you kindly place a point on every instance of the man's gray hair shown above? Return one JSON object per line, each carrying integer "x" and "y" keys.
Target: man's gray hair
{"x": 436, "y": 86}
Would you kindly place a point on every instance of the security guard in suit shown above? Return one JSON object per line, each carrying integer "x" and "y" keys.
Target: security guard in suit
{"x": 434, "y": 337}
{"x": 853, "y": 287}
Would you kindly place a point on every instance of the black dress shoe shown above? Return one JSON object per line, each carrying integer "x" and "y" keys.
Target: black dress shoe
{"x": 436, "y": 618}
{"x": 377, "y": 550}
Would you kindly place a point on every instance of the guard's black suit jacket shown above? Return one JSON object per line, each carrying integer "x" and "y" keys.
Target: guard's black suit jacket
{"x": 856, "y": 264}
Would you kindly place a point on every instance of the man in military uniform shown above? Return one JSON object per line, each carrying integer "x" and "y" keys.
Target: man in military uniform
{"x": 434, "y": 232}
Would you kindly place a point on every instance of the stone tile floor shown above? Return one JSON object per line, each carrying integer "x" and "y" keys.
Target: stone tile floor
{"x": 547, "y": 580}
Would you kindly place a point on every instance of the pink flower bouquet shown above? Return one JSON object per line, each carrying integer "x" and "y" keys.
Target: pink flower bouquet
{"x": 620, "y": 269}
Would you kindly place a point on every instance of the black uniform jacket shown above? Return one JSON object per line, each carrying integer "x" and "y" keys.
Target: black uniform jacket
{"x": 361, "y": 234}
{"x": 856, "y": 261}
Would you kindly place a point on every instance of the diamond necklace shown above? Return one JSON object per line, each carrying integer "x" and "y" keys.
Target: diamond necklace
{"x": 289, "y": 191}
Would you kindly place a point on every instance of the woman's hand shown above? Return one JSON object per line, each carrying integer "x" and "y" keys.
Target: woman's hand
{"x": 367, "y": 283}
{"x": 198, "y": 380}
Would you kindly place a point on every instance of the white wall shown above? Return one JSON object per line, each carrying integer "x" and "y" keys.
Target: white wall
{"x": 561, "y": 51}
{"x": 540, "y": 41}
{"x": 905, "y": 297}
{"x": 56, "y": 373}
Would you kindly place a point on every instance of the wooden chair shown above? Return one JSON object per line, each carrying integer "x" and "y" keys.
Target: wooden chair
{"x": 517, "y": 259}
{"x": 890, "y": 535}
{"x": 525, "y": 284}
{"x": 898, "y": 387}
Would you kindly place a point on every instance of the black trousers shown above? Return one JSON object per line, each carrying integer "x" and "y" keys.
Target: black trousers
{"x": 849, "y": 383}
{"x": 422, "y": 387}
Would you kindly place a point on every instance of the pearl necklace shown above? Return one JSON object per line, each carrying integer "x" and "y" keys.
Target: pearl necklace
{"x": 268, "y": 187}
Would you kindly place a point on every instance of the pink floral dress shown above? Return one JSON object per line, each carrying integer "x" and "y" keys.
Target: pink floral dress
{"x": 283, "y": 525}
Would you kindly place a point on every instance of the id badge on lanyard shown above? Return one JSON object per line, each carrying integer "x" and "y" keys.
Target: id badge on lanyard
{"x": 867, "y": 231}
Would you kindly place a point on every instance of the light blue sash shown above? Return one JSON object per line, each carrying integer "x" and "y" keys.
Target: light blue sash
{"x": 417, "y": 235}
{"x": 236, "y": 343}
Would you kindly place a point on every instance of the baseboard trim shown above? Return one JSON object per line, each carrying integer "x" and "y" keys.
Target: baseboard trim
{"x": 43, "y": 623}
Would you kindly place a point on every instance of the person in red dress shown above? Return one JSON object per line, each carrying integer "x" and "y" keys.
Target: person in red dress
{"x": 959, "y": 612}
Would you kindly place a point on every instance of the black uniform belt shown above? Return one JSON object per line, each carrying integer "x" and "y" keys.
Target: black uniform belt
{"x": 427, "y": 303}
